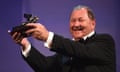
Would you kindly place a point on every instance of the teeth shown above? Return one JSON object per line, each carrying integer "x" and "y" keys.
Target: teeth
{"x": 77, "y": 28}
{"x": 81, "y": 28}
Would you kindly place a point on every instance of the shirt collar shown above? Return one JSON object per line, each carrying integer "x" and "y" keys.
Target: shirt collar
{"x": 89, "y": 35}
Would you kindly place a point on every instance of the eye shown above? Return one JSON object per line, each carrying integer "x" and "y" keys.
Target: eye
{"x": 81, "y": 19}
{"x": 73, "y": 20}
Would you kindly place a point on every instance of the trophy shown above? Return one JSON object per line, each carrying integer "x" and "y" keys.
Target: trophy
{"x": 22, "y": 28}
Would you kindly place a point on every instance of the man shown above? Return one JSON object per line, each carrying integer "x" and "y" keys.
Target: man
{"x": 87, "y": 52}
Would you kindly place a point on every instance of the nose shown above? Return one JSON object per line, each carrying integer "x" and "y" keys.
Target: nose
{"x": 76, "y": 23}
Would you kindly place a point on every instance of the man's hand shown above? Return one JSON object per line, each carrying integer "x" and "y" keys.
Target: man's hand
{"x": 19, "y": 39}
{"x": 38, "y": 31}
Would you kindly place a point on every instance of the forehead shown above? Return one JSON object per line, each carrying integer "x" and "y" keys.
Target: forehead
{"x": 79, "y": 13}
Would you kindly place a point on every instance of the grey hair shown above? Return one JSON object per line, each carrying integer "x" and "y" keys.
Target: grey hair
{"x": 89, "y": 11}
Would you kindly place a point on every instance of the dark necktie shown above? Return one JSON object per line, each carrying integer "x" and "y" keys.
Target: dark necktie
{"x": 84, "y": 41}
{"x": 81, "y": 40}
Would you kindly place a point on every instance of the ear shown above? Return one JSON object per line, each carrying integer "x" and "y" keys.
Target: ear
{"x": 93, "y": 23}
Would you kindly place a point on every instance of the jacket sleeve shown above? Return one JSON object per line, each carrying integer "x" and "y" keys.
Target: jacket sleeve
{"x": 35, "y": 60}
{"x": 39, "y": 62}
{"x": 100, "y": 47}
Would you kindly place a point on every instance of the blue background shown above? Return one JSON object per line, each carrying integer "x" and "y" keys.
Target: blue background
{"x": 54, "y": 14}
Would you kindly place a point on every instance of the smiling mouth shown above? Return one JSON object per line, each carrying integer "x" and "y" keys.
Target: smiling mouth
{"x": 79, "y": 28}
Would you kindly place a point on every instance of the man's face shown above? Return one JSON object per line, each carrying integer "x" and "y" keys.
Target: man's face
{"x": 80, "y": 23}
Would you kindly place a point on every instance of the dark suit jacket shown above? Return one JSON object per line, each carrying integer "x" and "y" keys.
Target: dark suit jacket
{"x": 96, "y": 54}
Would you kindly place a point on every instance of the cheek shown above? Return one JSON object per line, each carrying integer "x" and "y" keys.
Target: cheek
{"x": 90, "y": 27}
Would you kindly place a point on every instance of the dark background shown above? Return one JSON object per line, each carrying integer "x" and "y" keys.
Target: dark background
{"x": 54, "y": 14}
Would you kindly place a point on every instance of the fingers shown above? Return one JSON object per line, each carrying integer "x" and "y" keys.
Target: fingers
{"x": 17, "y": 37}
{"x": 36, "y": 27}
{"x": 33, "y": 25}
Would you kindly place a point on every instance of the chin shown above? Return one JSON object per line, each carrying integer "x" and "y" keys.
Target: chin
{"x": 77, "y": 36}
